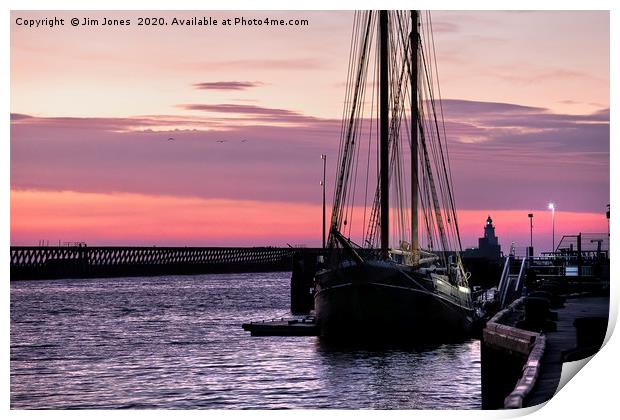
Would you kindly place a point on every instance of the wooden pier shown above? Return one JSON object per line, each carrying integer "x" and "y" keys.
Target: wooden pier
{"x": 564, "y": 340}
{"x": 521, "y": 367}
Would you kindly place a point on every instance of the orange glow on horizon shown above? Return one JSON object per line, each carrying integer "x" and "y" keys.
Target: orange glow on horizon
{"x": 136, "y": 219}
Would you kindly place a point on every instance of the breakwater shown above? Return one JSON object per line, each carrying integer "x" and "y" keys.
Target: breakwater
{"x": 49, "y": 262}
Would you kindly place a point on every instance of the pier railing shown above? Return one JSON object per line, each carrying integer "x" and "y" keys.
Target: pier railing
{"x": 84, "y": 261}
{"x": 511, "y": 283}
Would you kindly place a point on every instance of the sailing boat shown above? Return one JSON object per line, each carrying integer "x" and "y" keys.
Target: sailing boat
{"x": 417, "y": 290}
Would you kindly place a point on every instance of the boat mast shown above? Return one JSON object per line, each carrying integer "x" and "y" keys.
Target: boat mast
{"x": 415, "y": 246}
{"x": 384, "y": 130}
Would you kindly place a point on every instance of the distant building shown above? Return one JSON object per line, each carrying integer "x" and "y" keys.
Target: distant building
{"x": 488, "y": 246}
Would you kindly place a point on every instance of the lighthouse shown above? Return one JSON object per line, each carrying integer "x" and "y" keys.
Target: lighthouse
{"x": 488, "y": 246}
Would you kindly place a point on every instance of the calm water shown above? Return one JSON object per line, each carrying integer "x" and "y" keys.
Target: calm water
{"x": 176, "y": 342}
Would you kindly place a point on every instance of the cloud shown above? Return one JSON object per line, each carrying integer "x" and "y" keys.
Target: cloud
{"x": 571, "y": 102}
{"x": 239, "y": 109}
{"x": 503, "y": 125}
{"x": 503, "y": 156}
{"x": 524, "y": 156}
{"x": 226, "y": 85}
{"x": 91, "y": 155}
{"x": 231, "y": 115}
{"x": 16, "y": 117}
{"x": 114, "y": 124}
{"x": 255, "y": 113}
{"x": 539, "y": 76}
{"x": 459, "y": 107}
{"x": 267, "y": 64}
{"x": 445, "y": 27}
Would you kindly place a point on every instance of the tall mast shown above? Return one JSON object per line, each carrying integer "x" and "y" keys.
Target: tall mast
{"x": 415, "y": 246}
{"x": 384, "y": 130}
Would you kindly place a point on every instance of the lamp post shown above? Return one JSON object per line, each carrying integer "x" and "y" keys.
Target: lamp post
{"x": 607, "y": 215}
{"x": 324, "y": 159}
{"x": 531, "y": 250}
{"x": 552, "y": 208}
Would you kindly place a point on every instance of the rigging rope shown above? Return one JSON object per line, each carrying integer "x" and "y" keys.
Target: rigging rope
{"x": 436, "y": 204}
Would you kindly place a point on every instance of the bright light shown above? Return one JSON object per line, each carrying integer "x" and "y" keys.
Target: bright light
{"x": 551, "y": 206}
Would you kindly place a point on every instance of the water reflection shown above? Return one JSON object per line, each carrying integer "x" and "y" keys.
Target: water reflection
{"x": 405, "y": 377}
{"x": 176, "y": 342}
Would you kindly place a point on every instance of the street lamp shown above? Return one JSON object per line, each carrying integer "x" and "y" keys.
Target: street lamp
{"x": 531, "y": 250}
{"x": 552, "y": 208}
{"x": 324, "y": 159}
{"x": 607, "y": 215}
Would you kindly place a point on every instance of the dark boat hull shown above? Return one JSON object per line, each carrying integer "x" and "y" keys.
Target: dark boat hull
{"x": 383, "y": 301}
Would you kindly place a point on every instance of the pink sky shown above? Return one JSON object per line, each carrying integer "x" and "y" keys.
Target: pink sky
{"x": 92, "y": 110}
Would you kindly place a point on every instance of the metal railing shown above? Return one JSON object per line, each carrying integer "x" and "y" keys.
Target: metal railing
{"x": 510, "y": 285}
{"x": 72, "y": 261}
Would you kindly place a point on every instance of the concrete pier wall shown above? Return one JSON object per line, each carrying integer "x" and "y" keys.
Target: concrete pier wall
{"x": 510, "y": 360}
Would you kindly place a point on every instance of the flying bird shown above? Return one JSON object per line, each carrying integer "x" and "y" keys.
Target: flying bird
{"x": 221, "y": 141}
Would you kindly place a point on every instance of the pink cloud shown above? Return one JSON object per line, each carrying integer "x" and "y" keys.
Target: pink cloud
{"x": 226, "y": 85}
{"x": 269, "y": 64}
{"x": 245, "y": 152}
